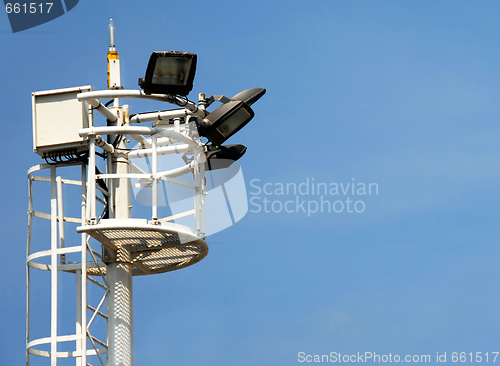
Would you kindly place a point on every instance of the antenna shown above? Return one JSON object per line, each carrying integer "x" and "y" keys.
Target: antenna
{"x": 111, "y": 28}
{"x": 114, "y": 79}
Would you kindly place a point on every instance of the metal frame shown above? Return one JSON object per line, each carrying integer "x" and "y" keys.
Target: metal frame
{"x": 163, "y": 140}
{"x": 135, "y": 246}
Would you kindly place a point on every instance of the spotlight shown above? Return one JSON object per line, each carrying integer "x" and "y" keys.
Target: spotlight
{"x": 224, "y": 156}
{"x": 169, "y": 72}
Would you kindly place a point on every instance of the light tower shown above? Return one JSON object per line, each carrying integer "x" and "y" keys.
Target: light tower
{"x": 108, "y": 242}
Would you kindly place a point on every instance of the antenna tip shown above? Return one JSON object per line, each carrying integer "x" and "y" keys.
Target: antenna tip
{"x": 111, "y": 29}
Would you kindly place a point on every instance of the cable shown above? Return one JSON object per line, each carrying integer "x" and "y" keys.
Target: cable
{"x": 66, "y": 157}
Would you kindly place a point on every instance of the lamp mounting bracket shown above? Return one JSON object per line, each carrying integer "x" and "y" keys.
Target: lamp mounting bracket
{"x": 220, "y": 98}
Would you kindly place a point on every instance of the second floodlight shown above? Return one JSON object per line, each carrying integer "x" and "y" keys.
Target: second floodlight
{"x": 169, "y": 72}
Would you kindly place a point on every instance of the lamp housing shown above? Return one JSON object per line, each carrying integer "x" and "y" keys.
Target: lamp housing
{"x": 169, "y": 72}
{"x": 225, "y": 121}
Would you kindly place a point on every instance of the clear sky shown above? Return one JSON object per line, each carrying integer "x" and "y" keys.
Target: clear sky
{"x": 403, "y": 94}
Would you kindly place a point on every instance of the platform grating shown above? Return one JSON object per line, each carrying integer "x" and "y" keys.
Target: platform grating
{"x": 151, "y": 251}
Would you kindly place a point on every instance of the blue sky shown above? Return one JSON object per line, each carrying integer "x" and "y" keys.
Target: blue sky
{"x": 402, "y": 94}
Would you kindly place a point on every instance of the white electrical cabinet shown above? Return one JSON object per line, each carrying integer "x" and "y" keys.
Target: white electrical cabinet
{"x": 57, "y": 117}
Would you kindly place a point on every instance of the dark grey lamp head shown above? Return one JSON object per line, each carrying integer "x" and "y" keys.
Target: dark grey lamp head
{"x": 230, "y": 117}
{"x": 169, "y": 72}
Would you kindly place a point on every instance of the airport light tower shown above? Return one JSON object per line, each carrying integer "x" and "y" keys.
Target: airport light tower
{"x": 106, "y": 247}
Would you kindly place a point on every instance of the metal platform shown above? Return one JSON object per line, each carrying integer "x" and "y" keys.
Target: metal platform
{"x": 151, "y": 248}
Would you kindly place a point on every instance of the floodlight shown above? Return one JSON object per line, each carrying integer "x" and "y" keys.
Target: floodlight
{"x": 250, "y": 96}
{"x": 225, "y": 121}
{"x": 169, "y": 72}
{"x": 223, "y": 156}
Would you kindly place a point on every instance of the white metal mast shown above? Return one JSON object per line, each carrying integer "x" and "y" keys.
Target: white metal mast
{"x": 119, "y": 272}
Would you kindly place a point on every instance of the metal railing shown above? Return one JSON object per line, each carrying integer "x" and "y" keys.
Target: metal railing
{"x": 56, "y": 256}
{"x": 177, "y": 139}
